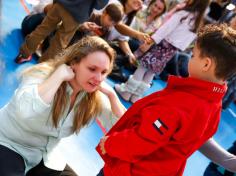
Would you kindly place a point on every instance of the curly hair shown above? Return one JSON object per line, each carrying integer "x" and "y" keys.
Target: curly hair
{"x": 218, "y": 42}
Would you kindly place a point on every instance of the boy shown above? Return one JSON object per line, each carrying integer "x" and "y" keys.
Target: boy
{"x": 100, "y": 24}
{"x": 158, "y": 133}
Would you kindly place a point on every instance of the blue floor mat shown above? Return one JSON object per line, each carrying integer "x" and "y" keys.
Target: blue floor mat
{"x": 79, "y": 151}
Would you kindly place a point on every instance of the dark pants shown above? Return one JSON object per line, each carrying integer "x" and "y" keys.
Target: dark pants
{"x": 100, "y": 173}
{"x": 30, "y": 22}
{"x": 12, "y": 164}
{"x": 40, "y": 170}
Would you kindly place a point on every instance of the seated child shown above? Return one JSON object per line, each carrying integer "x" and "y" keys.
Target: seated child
{"x": 100, "y": 24}
{"x": 159, "y": 132}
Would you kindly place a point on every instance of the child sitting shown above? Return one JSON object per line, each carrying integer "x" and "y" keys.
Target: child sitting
{"x": 100, "y": 24}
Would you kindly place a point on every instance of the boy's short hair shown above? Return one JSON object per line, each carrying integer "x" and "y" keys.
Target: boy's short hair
{"x": 218, "y": 42}
{"x": 115, "y": 11}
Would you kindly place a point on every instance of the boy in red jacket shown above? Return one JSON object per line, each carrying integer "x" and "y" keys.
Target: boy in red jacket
{"x": 158, "y": 133}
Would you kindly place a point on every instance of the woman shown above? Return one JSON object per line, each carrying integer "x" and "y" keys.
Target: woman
{"x": 55, "y": 100}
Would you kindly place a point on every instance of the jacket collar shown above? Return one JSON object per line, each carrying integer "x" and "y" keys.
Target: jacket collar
{"x": 207, "y": 90}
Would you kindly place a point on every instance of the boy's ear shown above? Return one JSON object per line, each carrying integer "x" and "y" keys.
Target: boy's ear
{"x": 207, "y": 64}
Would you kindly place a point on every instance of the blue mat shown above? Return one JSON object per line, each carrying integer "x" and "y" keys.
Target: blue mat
{"x": 79, "y": 150}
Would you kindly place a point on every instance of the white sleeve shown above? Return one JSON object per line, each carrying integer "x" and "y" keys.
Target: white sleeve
{"x": 212, "y": 150}
{"x": 168, "y": 27}
{"x": 27, "y": 101}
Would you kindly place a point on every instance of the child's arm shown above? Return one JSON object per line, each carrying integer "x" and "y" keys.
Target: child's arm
{"x": 156, "y": 128}
{"x": 126, "y": 30}
{"x": 88, "y": 26}
{"x": 124, "y": 46}
{"x": 212, "y": 150}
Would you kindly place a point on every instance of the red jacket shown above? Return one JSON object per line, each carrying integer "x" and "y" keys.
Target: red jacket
{"x": 159, "y": 132}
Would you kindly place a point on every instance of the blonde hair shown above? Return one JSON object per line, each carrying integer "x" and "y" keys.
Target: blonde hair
{"x": 90, "y": 105}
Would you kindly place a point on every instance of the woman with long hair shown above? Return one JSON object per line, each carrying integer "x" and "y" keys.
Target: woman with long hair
{"x": 54, "y": 100}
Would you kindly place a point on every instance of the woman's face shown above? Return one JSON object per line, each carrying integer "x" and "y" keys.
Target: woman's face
{"x": 157, "y": 8}
{"x": 135, "y": 5}
{"x": 91, "y": 71}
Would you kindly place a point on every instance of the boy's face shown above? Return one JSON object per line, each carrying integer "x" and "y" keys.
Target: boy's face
{"x": 106, "y": 21}
{"x": 196, "y": 64}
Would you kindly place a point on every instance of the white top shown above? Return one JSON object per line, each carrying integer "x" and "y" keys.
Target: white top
{"x": 26, "y": 125}
{"x": 174, "y": 31}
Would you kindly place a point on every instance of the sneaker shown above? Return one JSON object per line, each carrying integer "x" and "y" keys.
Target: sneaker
{"x": 21, "y": 59}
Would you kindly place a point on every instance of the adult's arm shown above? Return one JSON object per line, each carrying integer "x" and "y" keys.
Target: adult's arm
{"x": 212, "y": 150}
{"x": 48, "y": 88}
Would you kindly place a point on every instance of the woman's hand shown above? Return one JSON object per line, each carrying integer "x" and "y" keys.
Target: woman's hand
{"x": 48, "y": 88}
{"x": 65, "y": 72}
{"x": 105, "y": 89}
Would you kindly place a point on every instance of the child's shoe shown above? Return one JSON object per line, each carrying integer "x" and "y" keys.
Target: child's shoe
{"x": 124, "y": 94}
{"x": 139, "y": 92}
{"x": 21, "y": 59}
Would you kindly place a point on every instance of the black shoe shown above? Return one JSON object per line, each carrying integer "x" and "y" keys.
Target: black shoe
{"x": 21, "y": 59}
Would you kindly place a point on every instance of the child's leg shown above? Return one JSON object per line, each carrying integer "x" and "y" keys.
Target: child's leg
{"x": 148, "y": 77}
{"x": 144, "y": 85}
{"x": 47, "y": 26}
{"x": 139, "y": 73}
{"x": 125, "y": 90}
{"x": 63, "y": 35}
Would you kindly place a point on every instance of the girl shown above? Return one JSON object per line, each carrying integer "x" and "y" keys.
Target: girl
{"x": 176, "y": 34}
